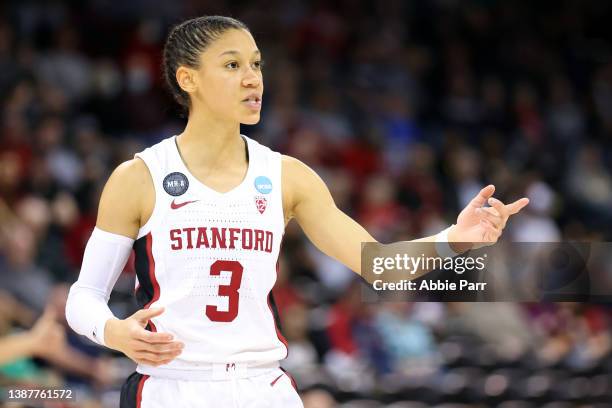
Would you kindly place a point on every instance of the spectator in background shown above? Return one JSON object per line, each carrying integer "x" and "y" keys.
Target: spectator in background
{"x": 303, "y": 359}
{"x": 19, "y": 274}
{"x": 590, "y": 183}
{"x": 500, "y": 326}
{"x": 408, "y": 341}
{"x": 45, "y": 337}
{"x": 345, "y": 361}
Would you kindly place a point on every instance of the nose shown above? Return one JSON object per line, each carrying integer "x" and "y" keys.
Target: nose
{"x": 251, "y": 79}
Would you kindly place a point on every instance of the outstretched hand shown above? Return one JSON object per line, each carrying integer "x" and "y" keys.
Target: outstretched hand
{"x": 481, "y": 226}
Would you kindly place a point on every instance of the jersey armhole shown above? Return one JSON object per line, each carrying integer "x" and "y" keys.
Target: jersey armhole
{"x": 279, "y": 163}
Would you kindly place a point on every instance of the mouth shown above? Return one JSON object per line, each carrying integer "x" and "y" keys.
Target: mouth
{"x": 253, "y": 102}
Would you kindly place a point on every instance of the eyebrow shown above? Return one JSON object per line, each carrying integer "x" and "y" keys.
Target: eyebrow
{"x": 233, "y": 52}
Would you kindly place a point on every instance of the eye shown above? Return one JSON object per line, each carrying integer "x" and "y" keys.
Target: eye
{"x": 232, "y": 65}
{"x": 258, "y": 64}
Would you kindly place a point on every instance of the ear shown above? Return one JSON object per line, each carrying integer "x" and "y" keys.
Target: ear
{"x": 186, "y": 79}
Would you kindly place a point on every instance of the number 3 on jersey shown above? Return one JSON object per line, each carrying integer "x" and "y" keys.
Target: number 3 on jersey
{"x": 231, "y": 291}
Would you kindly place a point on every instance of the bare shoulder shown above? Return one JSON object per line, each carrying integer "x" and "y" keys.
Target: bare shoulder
{"x": 296, "y": 171}
{"x": 300, "y": 184}
{"x": 131, "y": 174}
{"x": 127, "y": 198}
{"x": 290, "y": 165}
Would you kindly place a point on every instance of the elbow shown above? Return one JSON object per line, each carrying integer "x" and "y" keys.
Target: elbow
{"x": 78, "y": 304}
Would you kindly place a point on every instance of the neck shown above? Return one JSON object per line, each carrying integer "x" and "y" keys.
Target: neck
{"x": 206, "y": 141}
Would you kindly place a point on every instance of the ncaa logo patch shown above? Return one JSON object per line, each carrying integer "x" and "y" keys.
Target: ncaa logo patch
{"x": 263, "y": 185}
{"x": 176, "y": 184}
{"x": 261, "y": 203}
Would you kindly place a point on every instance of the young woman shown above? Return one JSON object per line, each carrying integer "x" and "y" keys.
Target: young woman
{"x": 205, "y": 212}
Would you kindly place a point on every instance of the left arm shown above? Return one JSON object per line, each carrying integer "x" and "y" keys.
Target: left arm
{"x": 307, "y": 199}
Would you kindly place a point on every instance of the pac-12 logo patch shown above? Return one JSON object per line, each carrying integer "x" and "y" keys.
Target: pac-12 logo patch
{"x": 261, "y": 203}
{"x": 263, "y": 184}
{"x": 176, "y": 184}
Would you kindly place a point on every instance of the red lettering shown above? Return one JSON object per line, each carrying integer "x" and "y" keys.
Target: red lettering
{"x": 259, "y": 237}
{"x": 218, "y": 239}
{"x": 189, "y": 231}
{"x": 233, "y": 236}
{"x": 202, "y": 238}
{"x": 247, "y": 239}
{"x": 268, "y": 241}
{"x": 231, "y": 291}
{"x": 175, "y": 236}
{"x": 256, "y": 240}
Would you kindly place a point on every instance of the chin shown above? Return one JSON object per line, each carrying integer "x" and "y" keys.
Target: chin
{"x": 253, "y": 120}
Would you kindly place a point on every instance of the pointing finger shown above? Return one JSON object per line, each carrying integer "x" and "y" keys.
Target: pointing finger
{"x": 482, "y": 196}
{"x": 517, "y": 206}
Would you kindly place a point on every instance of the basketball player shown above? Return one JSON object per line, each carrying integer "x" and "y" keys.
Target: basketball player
{"x": 205, "y": 213}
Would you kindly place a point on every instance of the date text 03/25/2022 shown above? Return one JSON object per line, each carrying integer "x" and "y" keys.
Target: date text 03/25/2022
{"x": 405, "y": 284}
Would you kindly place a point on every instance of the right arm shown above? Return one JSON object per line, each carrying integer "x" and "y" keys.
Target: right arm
{"x": 127, "y": 200}
{"x": 126, "y": 203}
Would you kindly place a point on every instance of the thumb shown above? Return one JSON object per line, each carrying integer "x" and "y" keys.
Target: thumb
{"x": 144, "y": 315}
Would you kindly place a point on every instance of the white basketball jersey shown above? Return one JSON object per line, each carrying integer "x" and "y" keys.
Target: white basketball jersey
{"x": 210, "y": 260}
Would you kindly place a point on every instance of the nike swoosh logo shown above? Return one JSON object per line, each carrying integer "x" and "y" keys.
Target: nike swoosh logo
{"x": 176, "y": 206}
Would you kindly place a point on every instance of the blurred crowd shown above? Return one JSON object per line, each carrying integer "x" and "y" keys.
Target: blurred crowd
{"x": 405, "y": 109}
